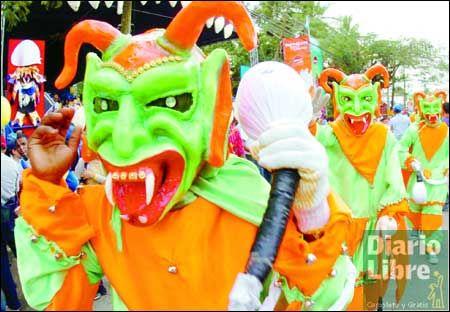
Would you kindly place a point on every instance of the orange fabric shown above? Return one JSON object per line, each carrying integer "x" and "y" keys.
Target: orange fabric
{"x": 76, "y": 293}
{"x": 357, "y": 303}
{"x": 425, "y": 222}
{"x": 432, "y": 138}
{"x": 294, "y": 306}
{"x": 364, "y": 152}
{"x": 291, "y": 259}
{"x": 408, "y": 164}
{"x": 221, "y": 118}
{"x": 397, "y": 210}
{"x": 313, "y": 128}
{"x": 208, "y": 246}
{"x": 356, "y": 234}
{"x": 67, "y": 225}
{"x": 430, "y": 203}
{"x": 406, "y": 175}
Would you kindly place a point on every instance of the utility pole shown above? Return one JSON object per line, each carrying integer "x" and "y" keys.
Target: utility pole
{"x": 125, "y": 22}
{"x": 404, "y": 87}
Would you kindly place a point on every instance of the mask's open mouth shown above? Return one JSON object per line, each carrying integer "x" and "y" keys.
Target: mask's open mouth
{"x": 358, "y": 124}
{"x": 432, "y": 118}
{"x": 142, "y": 191}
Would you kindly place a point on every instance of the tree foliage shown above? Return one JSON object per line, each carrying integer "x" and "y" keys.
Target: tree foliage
{"x": 343, "y": 45}
{"x": 16, "y": 12}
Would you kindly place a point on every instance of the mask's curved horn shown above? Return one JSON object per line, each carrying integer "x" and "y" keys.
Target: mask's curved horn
{"x": 328, "y": 76}
{"x": 441, "y": 94}
{"x": 417, "y": 96}
{"x": 378, "y": 73}
{"x": 185, "y": 29}
{"x": 97, "y": 33}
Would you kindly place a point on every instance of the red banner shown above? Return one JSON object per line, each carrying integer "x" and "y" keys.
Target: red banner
{"x": 296, "y": 53}
{"x": 26, "y": 54}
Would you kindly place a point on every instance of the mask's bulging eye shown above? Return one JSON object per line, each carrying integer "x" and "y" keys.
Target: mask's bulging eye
{"x": 180, "y": 103}
{"x": 171, "y": 102}
{"x": 102, "y": 105}
{"x": 367, "y": 98}
{"x": 346, "y": 98}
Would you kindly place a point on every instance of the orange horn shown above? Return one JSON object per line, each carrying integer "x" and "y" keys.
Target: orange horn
{"x": 377, "y": 71}
{"x": 186, "y": 27}
{"x": 417, "y": 96}
{"x": 99, "y": 34}
{"x": 441, "y": 94}
{"x": 328, "y": 76}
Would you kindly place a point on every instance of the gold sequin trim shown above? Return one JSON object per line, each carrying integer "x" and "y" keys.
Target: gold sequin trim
{"x": 131, "y": 75}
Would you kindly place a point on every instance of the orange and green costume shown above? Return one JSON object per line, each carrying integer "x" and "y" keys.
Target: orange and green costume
{"x": 426, "y": 141}
{"x": 363, "y": 161}
{"x": 175, "y": 221}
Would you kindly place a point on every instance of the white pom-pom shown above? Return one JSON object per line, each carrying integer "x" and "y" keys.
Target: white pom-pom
{"x": 419, "y": 193}
{"x": 387, "y": 225}
{"x": 271, "y": 93}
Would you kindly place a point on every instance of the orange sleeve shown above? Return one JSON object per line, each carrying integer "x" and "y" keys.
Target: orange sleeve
{"x": 55, "y": 212}
{"x": 76, "y": 294}
{"x": 397, "y": 210}
{"x": 313, "y": 127}
{"x": 408, "y": 164}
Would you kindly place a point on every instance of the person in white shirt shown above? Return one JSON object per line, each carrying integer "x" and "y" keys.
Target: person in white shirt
{"x": 399, "y": 123}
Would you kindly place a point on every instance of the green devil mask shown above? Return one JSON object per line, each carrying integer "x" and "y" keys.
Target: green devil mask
{"x": 355, "y": 98}
{"x": 430, "y": 107}
{"x": 156, "y": 109}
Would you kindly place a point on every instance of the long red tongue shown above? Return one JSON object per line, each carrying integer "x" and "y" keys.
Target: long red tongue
{"x": 129, "y": 196}
{"x": 359, "y": 126}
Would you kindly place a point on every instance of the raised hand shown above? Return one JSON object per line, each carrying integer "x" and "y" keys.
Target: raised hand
{"x": 49, "y": 153}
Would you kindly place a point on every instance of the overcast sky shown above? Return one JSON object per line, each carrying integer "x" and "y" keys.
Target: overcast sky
{"x": 396, "y": 19}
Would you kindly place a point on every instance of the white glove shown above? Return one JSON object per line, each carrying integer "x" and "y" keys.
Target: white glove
{"x": 387, "y": 225}
{"x": 244, "y": 295}
{"x": 416, "y": 165}
{"x": 293, "y": 146}
{"x": 319, "y": 101}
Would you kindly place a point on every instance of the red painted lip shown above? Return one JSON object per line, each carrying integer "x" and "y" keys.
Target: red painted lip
{"x": 432, "y": 118}
{"x": 129, "y": 187}
{"x": 358, "y": 124}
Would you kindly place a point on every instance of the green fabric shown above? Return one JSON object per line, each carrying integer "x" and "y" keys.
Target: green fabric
{"x": 329, "y": 291}
{"x": 91, "y": 265}
{"x": 236, "y": 187}
{"x": 116, "y": 224}
{"x": 437, "y": 166}
{"x": 365, "y": 257}
{"x": 117, "y": 303}
{"x": 364, "y": 199}
{"x": 41, "y": 275}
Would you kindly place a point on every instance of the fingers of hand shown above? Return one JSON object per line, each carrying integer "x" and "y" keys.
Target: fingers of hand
{"x": 43, "y": 133}
{"x": 60, "y": 120}
{"x": 74, "y": 139}
{"x": 324, "y": 100}
{"x": 294, "y": 152}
